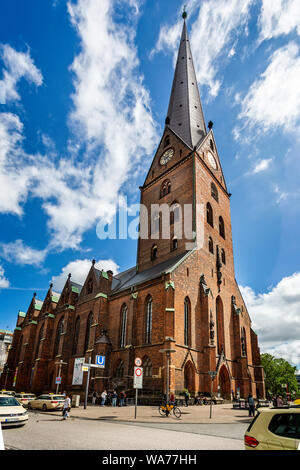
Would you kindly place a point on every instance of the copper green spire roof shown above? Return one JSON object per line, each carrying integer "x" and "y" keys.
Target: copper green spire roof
{"x": 185, "y": 117}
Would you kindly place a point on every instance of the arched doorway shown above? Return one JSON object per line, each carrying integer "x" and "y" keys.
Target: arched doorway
{"x": 189, "y": 377}
{"x": 224, "y": 383}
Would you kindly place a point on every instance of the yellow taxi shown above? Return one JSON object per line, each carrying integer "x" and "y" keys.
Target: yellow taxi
{"x": 11, "y": 412}
{"x": 296, "y": 402}
{"x": 8, "y": 392}
{"x": 274, "y": 429}
{"x": 47, "y": 402}
{"x": 24, "y": 398}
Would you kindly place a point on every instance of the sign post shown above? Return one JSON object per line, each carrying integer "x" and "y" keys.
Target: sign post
{"x": 212, "y": 376}
{"x": 58, "y": 378}
{"x": 87, "y": 384}
{"x": 86, "y": 367}
{"x": 137, "y": 383}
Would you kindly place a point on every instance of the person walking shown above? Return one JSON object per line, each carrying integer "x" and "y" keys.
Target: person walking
{"x": 94, "y": 397}
{"x": 251, "y": 405}
{"x": 114, "y": 397}
{"x": 279, "y": 401}
{"x": 103, "y": 397}
{"x": 122, "y": 398}
{"x": 186, "y": 397}
{"x": 66, "y": 407}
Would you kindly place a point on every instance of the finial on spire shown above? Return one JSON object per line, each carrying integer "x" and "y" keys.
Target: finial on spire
{"x": 93, "y": 262}
{"x": 184, "y": 14}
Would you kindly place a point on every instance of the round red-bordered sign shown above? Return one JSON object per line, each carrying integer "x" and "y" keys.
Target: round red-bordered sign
{"x": 138, "y": 361}
{"x": 138, "y": 372}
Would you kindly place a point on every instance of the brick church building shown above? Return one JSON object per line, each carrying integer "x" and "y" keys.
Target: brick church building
{"x": 182, "y": 294}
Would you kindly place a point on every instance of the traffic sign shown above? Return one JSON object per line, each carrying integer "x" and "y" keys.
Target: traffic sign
{"x": 92, "y": 365}
{"x": 85, "y": 369}
{"x": 138, "y": 377}
{"x": 138, "y": 361}
{"x": 58, "y": 380}
{"x": 100, "y": 361}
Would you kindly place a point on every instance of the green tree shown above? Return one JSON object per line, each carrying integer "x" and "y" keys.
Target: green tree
{"x": 278, "y": 372}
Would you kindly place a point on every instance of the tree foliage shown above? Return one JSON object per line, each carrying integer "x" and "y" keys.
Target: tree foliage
{"x": 278, "y": 372}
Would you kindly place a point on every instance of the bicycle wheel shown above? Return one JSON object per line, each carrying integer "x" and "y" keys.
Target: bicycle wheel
{"x": 161, "y": 411}
{"x": 177, "y": 412}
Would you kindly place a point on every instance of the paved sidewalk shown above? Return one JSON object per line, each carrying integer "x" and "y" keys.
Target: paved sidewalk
{"x": 150, "y": 414}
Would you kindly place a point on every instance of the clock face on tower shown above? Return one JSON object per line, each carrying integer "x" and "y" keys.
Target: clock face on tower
{"x": 212, "y": 161}
{"x": 166, "y": 156}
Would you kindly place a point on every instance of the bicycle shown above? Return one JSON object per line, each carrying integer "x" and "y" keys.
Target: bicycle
{"x": 165, "y": 409}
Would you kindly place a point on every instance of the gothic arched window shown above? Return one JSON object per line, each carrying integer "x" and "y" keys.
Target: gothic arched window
{"x": 223, "y": 256}
{"x": 214, "y": 192}
{"x": 165, "y": 188}
{"x": 41, "y": 332}
{"x": 154, "y": 252}
{"x": 174, "y": 244}
{"x": 76, "y": 336}
{"x": 211, "y": 245}
{"x": 221, "y": 227}
{"x": 147, "y": 366}
{"x": 123, "y": 326}
{"x": 120, "y": 369}
{"x": 209, "y": 215}
{"x": 187, "y": 321}
{"x": 59, "y": 332}
{"x": 148, "y": 322}
{"x": 89, "y": 288}
{"x": 88, "y": 331}
{"x": 167, "y": 141}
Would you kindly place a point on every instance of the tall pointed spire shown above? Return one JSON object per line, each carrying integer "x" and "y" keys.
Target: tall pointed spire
{"x": 185, "y": 116}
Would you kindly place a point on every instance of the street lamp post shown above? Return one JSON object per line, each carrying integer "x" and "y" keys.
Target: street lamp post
{"x": 7, "y": 371}
{"x": 168, "y": 355}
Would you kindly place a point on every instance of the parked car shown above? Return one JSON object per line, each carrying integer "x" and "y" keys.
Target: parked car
{"x": 8, "y": 392}
{"x": 47, "y": 402}
{"x": 11, "y": 412}
{"x": 274, "y": 429}
{"x": 24, "y": 398}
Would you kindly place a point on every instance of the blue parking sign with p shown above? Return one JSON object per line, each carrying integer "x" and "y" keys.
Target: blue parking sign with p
{"x": 100, "y": 361}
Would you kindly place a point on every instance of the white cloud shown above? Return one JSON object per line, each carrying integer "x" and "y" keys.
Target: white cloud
{"x": 278, "y": 17}
{"x": 17, "y": 65}
{"x": 80, "y": 269}
{"x": 4, "y": 283}
{"x": 18, "y": 252}
{"x": 113, "y": 131}
{"x": 275, "y": 317}
{"x": 213, "y": 35}
{"x": 273, "y": 100}
{"x": 262, "y": 165}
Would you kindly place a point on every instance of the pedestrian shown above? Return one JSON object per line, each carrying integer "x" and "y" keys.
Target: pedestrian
{"x": 279, "y": 401}
{"x": 94, "y": 397}
{"x": 103, "y": 397}
{"x": 122, "y": 398}
{"x": 251, "y": 405}
{"x": 114, "y": 397}
{"x": 186, "y": 397}
{"x": 172, "y": 399}
{"x": 274, "y": 401}
{"x": 66, "y": 408}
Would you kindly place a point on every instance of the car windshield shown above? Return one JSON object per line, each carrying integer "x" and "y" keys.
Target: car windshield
{"x": 58, "y": 397}
{"x": 9, "y": 401}
{"x": 27, "y": 396}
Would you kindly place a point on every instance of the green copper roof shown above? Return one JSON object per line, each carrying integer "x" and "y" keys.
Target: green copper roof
{"x": 104, "y": 274}
{"x": 75, "y": 289}
{"x": 22, "y": 314}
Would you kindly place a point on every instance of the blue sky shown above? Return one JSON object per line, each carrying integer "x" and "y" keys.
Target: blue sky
{"x": 85, "y": 86}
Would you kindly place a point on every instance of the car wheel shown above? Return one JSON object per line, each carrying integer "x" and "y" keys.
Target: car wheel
{"x": 44, "y": 407}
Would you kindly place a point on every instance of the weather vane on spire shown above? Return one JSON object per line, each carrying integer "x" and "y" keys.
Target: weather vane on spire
{"x": 184, "y": 14}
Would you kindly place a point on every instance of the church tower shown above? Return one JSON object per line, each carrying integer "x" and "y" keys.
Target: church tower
{"x": 184, "y": 175}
